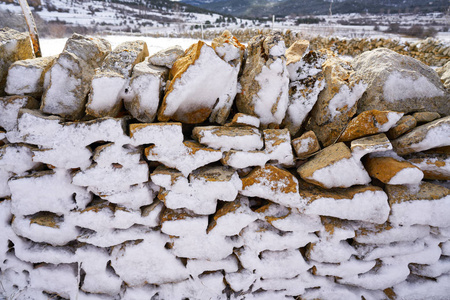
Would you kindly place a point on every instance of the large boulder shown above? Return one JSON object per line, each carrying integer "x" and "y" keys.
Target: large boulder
{"x": 399, "y": 83}
{"x": 14, "y": 46}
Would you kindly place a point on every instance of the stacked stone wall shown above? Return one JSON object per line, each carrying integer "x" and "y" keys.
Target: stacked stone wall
{"x": 222, "y": 172}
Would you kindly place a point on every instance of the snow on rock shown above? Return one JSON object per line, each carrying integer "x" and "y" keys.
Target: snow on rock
{"x": 369, "y": 204}
{"x": 368, "y": 123}
{"x": 306, "y": 144}
{"x": 26, "y": 77}
{"x": 244, "y": 138}
{"x": 166, "y": 57}
{"x": 421, "y": 288}
{"x": 277, "y": 149}
{"x": 294, "y": 58}
{"x": 399, "y": 83}
{"x": 15, "y": 46}
{"x": 146, "y": 86}
{"x": 272, "y": 183}
{"x": 395, "y": 170}
{"x": 9, "y": 109}
{"x": 337, "y": 103}
{"x": 265, "y": 80}
{"x": 201, "y": 191}
{"x": 181, "y": 223}
{"x": 426, "y": 204}
{"x": 334, "y": 167}
{"x": 434, "y": 166}
{"x": 232, "y": 218}
{"x": 386, "y": 233}
{"x": 370, "y": 144}
{"x": 307, "y": 81}
{"x": 109, "y": 81}
{"x": 345, "y": 269}
{"x": 202, "y": 85}
{"x": 428, "y": 136}
{"x": 147, "y": 261}
{"x": 59, "y": 279}
{"x": 196, "y": 266}
{"x": 241, "y": 119}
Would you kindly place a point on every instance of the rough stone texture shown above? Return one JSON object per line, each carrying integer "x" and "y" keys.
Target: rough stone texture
{"x": 265, "y": 62}
{"x": 425, "y": 116}
{"x": 9, "y": 109}
{"x": 296, "y": 52}
{"x": 329, "y": 161}
{"x": 68, "y": 79}
{"x": 229, "y": 49}
{"x": 370, "y": 144}
{"x": 306, "y": 144}
{"x": 241, "y": 119}
{"x": 26, "y": 77}
{"x": 166, "y": 57}
{"x": 146, "y": 86}
{"x": 368, "y": 123}
{"x": 244, "y": 138}
{"x": 434, "y": 166}
{"x": 431, "y": 135}
{"x": 199, "y": 67}
{"x": 444, "y": 73}
{"x": 14, "y": 46}
{"x": 405, "y": 124}
{"x": 307, "y": 81}
{"x": 337, "y": 103}
{"x": 386, "y": 168}
{"x": 109, "y": 81}
{"x": 399, "y": 83}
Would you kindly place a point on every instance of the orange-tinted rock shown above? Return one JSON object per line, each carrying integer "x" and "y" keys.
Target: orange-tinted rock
{"x": 405, "y": 124}
{"x": 306, "y": 144}
{"x": 434, "y": 166}
{"x": 426, "y": 116}
{"x": 393, "y": 171}
{"x": 368, "y": 123}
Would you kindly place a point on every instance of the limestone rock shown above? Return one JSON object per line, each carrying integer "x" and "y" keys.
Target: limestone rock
{"x": 90, "y": 49}
{"x": 307, "y": 81}
{"x": 241, "y": 119}
{"x": 334, "y": 166}
{"x": 425, "y": 116}
{"x": 387, "y": 233}
{"x": 337, "y": 103}
{"x": 182, "y": 223}
{"x": 146, "y": 86}
{"x": 9, "y": 109}
{"x": 428, "y": 204}
{"x": 166, "y": 57}
{"x": 444, "y": 73}
{"x": 265, "y": 80}
{"x": 229, "y": 49}
{"x": 405, "y": 124}
{"x": 14, "y": 46}
{"x": 434, "y": 166}
{"x": 390, "y": 170}
{"x": 221, "y": 137}
{"x": 306, "y": 144}
{"x": 202, "y": 84}
{"x": 274, "y": 184}
{"x": 201, "y": 192}
{"x": 294, "y": 55}
{"x": 27, "y": 76}
{"x": 399, "y": 83}
{"x": 431, "y": 135}
{"x": 368, "y": 203}
{"x": 368, "y": 123}
{"x": 370, "y": 144}
{"x": 109, "y": 82}
{"x": 277, "y": 149}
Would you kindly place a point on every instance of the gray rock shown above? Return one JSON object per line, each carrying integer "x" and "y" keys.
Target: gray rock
{"x": 400, "y": 83}
{"x": 166, "y": 57}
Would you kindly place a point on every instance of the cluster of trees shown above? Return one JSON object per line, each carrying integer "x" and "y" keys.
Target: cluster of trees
{"x": 415, "y": 30}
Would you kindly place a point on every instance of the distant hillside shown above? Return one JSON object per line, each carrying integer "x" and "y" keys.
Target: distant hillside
{"x": 260, "y": 8}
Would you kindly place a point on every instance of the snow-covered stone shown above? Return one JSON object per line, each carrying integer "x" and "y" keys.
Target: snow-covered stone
{"x": 166, "y": 57}
{"x": 146, "y": 86}
{"x": 277, "y": 149}
{"x": 265, "y": 80}
{"x": 392, "y": 170}
{"x": 334, "y": 166}
{"x": 202, "y": 85}
{"x": 405, "y": 124}
{"x": 9, "y": 109}
{"x": 431, "y": 135}
{"x": 433, "y": 166}
{"x": 274, "y": 184}
{"x": 241, "y": 119}
{"x": 371, "y": 144}
{"x": 386, "y": 233}
{"x": 243, "y": 138}
{"x": 109, "y": 83}
{"x": 399, "y": 83}
{"x": 306, "y": 144}
{"x": 26, "y": 77}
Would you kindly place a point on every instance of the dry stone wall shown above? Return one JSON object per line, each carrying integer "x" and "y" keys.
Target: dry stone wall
{"x": 222, "y": 172}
